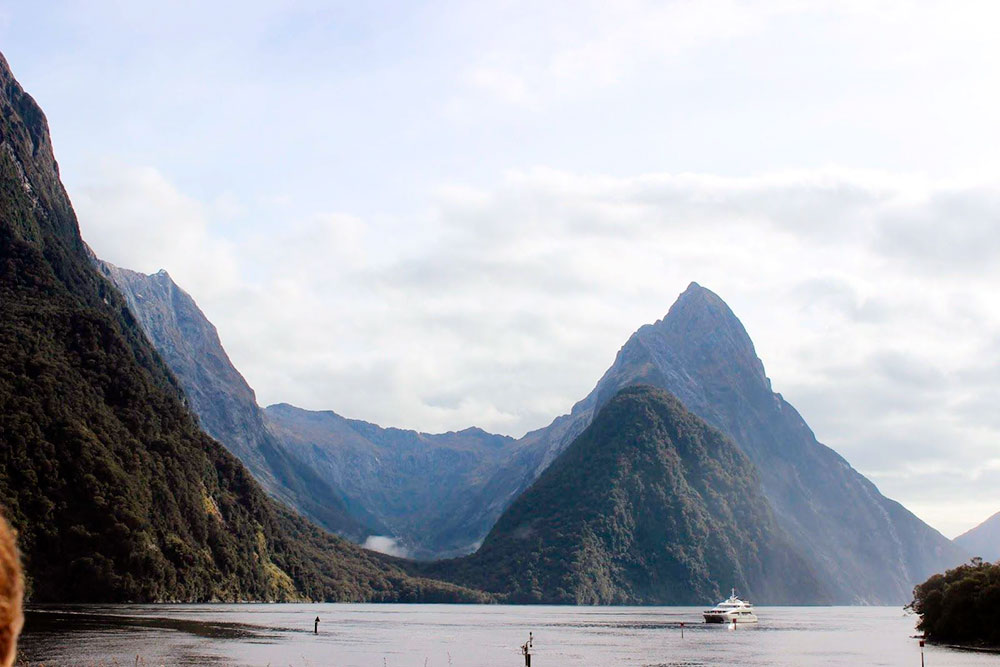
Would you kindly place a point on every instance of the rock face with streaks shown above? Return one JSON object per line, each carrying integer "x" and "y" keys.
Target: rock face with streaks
{"x": 223, "y": 401}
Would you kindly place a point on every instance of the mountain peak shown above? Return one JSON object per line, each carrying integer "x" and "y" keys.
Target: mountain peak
{"x": 693, "y": 287}
{"x": 701, "y": 328}
{"x": 697, "y": 302}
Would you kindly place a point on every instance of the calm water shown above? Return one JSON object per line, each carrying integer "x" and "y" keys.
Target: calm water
{"x": 481, "y": 636}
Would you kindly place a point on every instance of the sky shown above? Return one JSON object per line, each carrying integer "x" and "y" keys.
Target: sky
{"x": 435, "y": 215}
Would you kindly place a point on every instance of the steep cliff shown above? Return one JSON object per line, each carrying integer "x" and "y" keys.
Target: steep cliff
{"x": 223, "y": 401}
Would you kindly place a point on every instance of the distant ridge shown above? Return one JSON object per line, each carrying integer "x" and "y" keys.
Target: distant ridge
{"x": 983, "y": 540}
{"x": 413, "y": 483}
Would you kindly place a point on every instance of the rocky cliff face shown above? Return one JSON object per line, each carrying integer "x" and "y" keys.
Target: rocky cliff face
{"x": 868, "y": 548}
{"x": 413, "y": 483}
{"x": 649, "y": 505}
{"x": 223, "y": 401}
{"x": 983, "y": 540}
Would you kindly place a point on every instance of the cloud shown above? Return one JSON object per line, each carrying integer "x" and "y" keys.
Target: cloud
{"x": 559, "y": 52}
{"x": 385, "y": 544}
{"x": 136, "y": 218}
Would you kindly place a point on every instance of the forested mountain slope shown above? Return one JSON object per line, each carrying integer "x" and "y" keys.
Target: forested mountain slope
{"x": 649, "y": 505}
{"x": 115, "y": 492}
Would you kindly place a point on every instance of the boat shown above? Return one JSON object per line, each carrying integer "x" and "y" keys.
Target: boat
{"x": 733, "y": 610}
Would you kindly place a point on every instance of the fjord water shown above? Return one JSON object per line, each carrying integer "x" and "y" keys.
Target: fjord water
{"x": 365, "y": 635}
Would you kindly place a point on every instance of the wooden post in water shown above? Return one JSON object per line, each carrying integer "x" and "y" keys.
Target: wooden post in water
{"x": 316, "y": 626}
{"x": 921, "y": 653}
{"x": 682, "y": 629}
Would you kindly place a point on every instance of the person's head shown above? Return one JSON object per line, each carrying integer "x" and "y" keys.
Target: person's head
{"x": 11, "y": 593}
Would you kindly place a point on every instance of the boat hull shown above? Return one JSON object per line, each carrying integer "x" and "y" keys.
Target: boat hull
{"x": 722, "y": 618}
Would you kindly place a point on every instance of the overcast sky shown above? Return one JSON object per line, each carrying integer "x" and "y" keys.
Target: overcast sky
{"x": 455, "y": 214}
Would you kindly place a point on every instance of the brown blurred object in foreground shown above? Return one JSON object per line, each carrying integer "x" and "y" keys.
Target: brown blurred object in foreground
{"x": 11, "y": 593}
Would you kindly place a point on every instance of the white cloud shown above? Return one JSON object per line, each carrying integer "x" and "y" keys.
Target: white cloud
{"x": 385, "y": 544}
{"x": 581, "y": 46}
{"x": 134, "y": 217}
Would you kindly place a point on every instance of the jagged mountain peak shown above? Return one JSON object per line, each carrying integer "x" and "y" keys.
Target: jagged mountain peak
{"x": 699, "y": 344}
{"x": 699, "y": 304}
{"x": 701, "y": 327}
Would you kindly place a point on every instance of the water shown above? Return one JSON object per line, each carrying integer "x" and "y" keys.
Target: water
{"x": 364, "y": 635}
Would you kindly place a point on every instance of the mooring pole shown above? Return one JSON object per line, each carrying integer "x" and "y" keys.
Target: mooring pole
{"x": 682, "y": 629}
{"x": 526, "y": 649}
{"x": 921, "y": 653}
{"x": 316, "y": 626}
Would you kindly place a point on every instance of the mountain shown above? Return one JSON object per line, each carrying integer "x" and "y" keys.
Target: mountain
{"x": 115, "y": 492}
{"x": 441, "y": 494}
{"x": 868, "y": 548}
{"x": 352, "y": 477}
{"x": 983, "y": 540}
{"x": 649, "y": 505}
{"x": 413, "y": 483}
{"x": 225, "y": 404}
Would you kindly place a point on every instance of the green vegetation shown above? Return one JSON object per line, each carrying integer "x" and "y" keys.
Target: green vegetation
{"x": 116, "y": 493}
{"x": 961, "y": 606}
{"x": 649, "y": 505}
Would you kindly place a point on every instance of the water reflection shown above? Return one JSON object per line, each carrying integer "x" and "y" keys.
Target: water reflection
{"x": 482, "y": 636}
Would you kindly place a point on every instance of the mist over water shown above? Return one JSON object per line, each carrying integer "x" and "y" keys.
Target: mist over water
{"x": 365, "y": 635}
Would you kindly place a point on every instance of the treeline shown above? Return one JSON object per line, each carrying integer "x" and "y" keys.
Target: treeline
{"x": 961, "y": 606}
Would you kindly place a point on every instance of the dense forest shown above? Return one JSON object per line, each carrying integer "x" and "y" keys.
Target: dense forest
{"x": 961, "y": 606}
{"x": 649, "y": 505}
{"x": 115, "y": 492}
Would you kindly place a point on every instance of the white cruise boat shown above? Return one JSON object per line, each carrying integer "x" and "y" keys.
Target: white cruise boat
{"x": 733, "y": 610}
